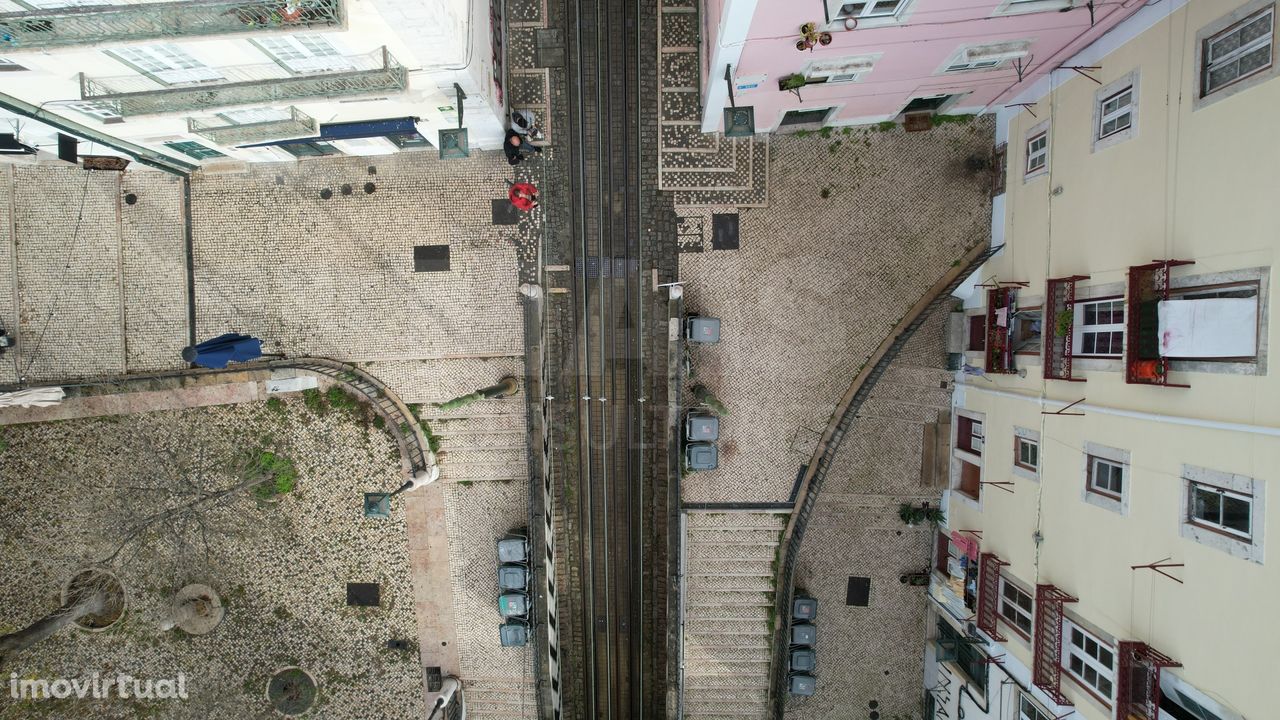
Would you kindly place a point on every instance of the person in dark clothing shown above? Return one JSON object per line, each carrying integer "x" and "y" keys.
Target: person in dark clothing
{"x": 516, "y": 147}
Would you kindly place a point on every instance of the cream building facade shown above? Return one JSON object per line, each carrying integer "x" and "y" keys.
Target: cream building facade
{"x": 215, "y": 81}
{"x": 1116, "y": 436}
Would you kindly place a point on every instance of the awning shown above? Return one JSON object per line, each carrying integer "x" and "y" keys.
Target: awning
{"x": 1212, "y": 327}
{"x": 350, "y": 131}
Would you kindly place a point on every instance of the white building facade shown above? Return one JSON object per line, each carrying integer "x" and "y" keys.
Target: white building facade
{"x": 205, "y": 82}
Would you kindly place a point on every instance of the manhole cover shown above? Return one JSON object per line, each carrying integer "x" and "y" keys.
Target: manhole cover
{"x": 291, "y": 691}
{"x": 858, "y": 593}
{"x": 430, "y": 258}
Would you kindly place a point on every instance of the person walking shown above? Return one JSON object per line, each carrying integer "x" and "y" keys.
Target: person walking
{"x": 516, "y": 146}
{"x": 523, "y": 195}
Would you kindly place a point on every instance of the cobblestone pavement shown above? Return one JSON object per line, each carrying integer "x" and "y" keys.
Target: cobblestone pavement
{"x": 281, "y": 568}
{"x": 335, "y": 277}
{"x": 91, "y": 285}
{"x": 699, "y": 169}
{"x": 873, "y": 654}
{"x": 859, "y": 226}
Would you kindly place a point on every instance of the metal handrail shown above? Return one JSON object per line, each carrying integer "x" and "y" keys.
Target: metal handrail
{"x": 224, "y": 132}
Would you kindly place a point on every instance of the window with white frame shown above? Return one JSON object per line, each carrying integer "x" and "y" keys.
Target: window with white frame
{"x": 102, "y": 111}
{"x": 986, "y": 56}
{"x": 1099, "y": 328}
{"x": 1026, "y": 453}
{"x": 1116, "y": 113}
{"x": 1106, "y": 477}
{"x": 1017, "y": 7}
{"x": 305, "y": 53}
{"x": 1038, "y": 152}
{"x": 1237, "y": 52}
{"x": 1088, "y": 659}
{"x": 167, "y": 63}
{"x": 966, "y": 455}
{"x": 839, "y": 70}
{"x": 1016, "y": 606}
{"x": 1029, "y": 710}
{"x": 866, "y": 9}
{"x": 1221, "y": 509}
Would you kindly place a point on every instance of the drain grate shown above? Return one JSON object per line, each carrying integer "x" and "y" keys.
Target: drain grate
{"x": 364, "y": 594}
{"x": 430, "y": 258}
{"x": 858, "y": 594}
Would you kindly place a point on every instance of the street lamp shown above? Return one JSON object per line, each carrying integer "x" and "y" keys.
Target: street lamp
{"x": 453, "y": 141}
{"x": 378, "y": 505}
{"x": 738, "y": 121}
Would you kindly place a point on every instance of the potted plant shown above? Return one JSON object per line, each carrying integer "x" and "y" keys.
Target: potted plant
{"x": 1063, "y": 323}
{"x": 911, "y": 514}
{"x": 792, "y": 82}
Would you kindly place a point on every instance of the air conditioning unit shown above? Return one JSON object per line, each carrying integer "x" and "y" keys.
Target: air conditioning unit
{"x": 997, "y": 51}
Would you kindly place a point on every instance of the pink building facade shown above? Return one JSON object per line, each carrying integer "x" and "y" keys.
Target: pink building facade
{"x": 885, "y": 57}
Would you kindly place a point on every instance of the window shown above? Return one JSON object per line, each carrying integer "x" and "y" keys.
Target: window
{"x": 986, "y": 56}
{"x": 1106, "y": 477}
{"x": 1088, "y": 660}
{"x": 1237, "y": 52}
{"x": 1029, "y": 710}
{"x": 309, "y": 148}
{"x": 1026, "y": 453}
{"x": 868, "y": 9}
{"x": 1099, "y": 328}
{"x": 305, "y": 53}
{"x": 102, "y": 111}
{"x": 969, "y": 435}
{"x": 964, "y": 65}
{"x": 977, "y": 332}
{"x": 1015, "y": 607}
{"x": 1037, "y": 153}
{"x": 1221, "y": 509}
{"x": 194, "y": 149}
{"x": 167, "y": 63}
{"x": 1181, "y": 700}
{"x": 964, "y": 653}
{"x": 839, "y": 70}
{"x": 1116, "y": 113}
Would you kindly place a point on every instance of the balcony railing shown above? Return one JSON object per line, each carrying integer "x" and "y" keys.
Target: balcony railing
{"x": 1148, "y": 285}
{"x": 224, "y": 132}
{"x": 1059, "y": 325}
{"x": 96, "y": 24}
{"x": 265, "y": 84}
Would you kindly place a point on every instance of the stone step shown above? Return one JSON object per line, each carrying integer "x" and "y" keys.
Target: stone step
{"x": 720, "y": 628}
{"x": 681, "y": 30}
{"x": 777, "y": 521}
{"x": 727, "y": 536}
{"x": 760, "y": 640}
{"x": 482, "y": 473}
{"x": 688, "y": 138}
{"x": 724, "y": 160}
{"x": 455, "y": 456}
{"x": 723, "y": 598}
{"x": 739, "y": 612}
{"x": 475, "y": 424}
{"x": 735, "y": 708}
{"x": 722, "y": 654}
{"x": 679, "y": 69}
{"x": 729, "y": 568}
{"x": 713, "y": 680}
{"x": 680, "y": 106}
{"x": 513, "y": 406}
{"x": 731, "y": 694}
{"x": 731, "y": 583}
{"x": 730, "y": 551}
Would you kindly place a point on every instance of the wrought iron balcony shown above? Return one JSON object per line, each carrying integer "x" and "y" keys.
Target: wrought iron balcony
{"x": 265, "y": 84}
{"x": 39, "y": 29}
{"x": 224, "y": 132}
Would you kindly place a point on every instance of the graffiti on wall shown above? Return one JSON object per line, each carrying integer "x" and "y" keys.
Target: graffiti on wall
{"x": 496, "y": 31}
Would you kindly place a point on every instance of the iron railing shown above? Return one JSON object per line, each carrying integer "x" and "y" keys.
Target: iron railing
{"x": 262, "y": 84}
{"x": 989, "y": 594}
{"x": 41, "y": 29}
{"x": 1059, "y": 301}
{"x": 1046, "y": 665}
{"x": 224, "y": 132}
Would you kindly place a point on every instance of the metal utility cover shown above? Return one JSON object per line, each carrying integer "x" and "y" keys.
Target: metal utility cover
{"x": 363, "y": 594}
{"x": 377, "y": 505}
{"x": 803, "y": 661}
{"x": 804, "y": 635}
{"x": 702, "y": 427}
{"x": 804, "y": 609}
{"x": 803, "y": 685}
{"x": 513, "y": 577}
{"x": 704, "y": 329}
{"x": 430, "y": 258}
{"x": 858, "y": 593}
{"x": 504, "y": 213}
{"x": 701, "y": 456}
{"x": 513, "y": 550}
{"x": 513, "y": 635}
{"x": 513, "y": 605}
{"x": 724, "y": 231}
{"x": 548, "y": 48}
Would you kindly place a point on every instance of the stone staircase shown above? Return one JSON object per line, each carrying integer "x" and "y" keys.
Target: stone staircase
{"x": 728, "y": 607}
{"x": 483, "y": 442}
{"x": 700, "y": 169}
{"x": 493, "y": 698}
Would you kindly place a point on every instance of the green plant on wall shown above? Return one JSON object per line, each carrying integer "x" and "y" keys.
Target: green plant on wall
{"x": 792, "y": 82}
{"x": 1062, "y": 324}
{"x": 707, "y": 398}
{"x": 913, "y": 515}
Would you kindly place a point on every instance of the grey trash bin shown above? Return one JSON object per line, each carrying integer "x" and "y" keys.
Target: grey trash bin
{"x": 804, "y": 609}
{"x": 513, "y": 549}
{"x": 804, "y": 635}
{"x": 803, "y": 661}
{"x": 513, "y": 577}
{"x": 803, "y": 685}
{"x": 513, "y": 604}
{"x": 700, "y": 329}
{"x": 513, "y": 634}
{"x": 700, "y": 428}
{"x": 701, "y": 456}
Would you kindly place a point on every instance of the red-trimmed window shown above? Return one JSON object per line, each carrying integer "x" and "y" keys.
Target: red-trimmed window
{"x": 969, "y": 436}
{"x": 1016, "y": 607}
{"x": 1089, "y": 660}
{"x": 977, "y": 332}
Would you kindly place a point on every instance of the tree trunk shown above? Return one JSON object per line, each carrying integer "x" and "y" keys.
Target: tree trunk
{"x": 51, "y": 623}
